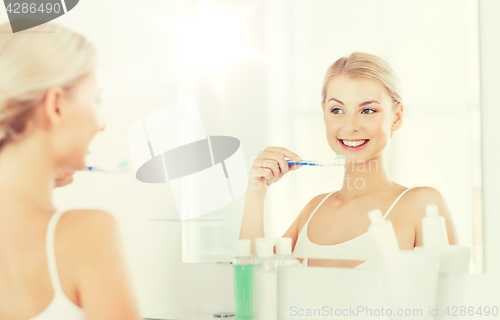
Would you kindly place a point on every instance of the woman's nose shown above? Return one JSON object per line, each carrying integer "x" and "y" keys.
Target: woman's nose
{"x": 352, "y": 123}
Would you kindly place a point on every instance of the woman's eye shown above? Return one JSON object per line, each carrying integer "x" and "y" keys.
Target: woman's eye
{"x": 370, "y": 110}
{"x": 338, "y": 110}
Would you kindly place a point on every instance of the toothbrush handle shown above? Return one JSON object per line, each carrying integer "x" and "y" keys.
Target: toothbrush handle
{"x": 303, "y": 163}
{"x": 103, "y": 170}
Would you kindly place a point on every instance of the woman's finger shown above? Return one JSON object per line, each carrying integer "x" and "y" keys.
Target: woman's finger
{"x": 270, "y": 164}
{"x": 295, "y": 166}
{"x": 278, "y": 157}
{"x": 285, "y": 152}
{"x": 265, "y": 173}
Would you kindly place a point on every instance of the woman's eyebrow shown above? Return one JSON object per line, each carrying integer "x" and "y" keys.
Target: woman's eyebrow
{"x": 360, "y": 105}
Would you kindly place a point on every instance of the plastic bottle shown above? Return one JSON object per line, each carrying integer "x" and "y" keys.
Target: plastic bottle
{"x": 434, "y": 233}
{"x": 383, "y": 233}
{"x": 243, "y": 272}
{"x": 266, "y": 281}
{"x": 284, "y": 253}
{"x": 390, "y": 258}
{"x": 452, "y": 258}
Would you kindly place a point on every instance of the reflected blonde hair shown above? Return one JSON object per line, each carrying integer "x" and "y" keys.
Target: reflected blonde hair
{"x": 368, "y": 66}
{"x": 32, "y": 61}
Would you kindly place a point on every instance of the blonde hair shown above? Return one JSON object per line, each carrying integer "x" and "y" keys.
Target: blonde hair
{"x": 32, "y": 61}
{"x": 368, "y": 66}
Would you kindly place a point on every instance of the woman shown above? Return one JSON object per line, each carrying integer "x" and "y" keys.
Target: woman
{"x": 53, "y": 265}
{"x": 362, "y": 107}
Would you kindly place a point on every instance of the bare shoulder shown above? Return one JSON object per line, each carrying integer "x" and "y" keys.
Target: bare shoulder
{"x": 416, "y": 202}
{"x": 88, "y": 215}
{"x": 86, "y": 222}
{"x": 426, "y": 194}
{"x": 417, "y": 199}
{"x": 98, "y": 265}
{"x": 85, "y": 233}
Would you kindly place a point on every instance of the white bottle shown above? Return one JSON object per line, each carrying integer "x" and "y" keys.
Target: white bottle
{"x": 383, "y": 234}
{"x": 453, "y": 258}
{"x": 390, "y": 260}
{"x": 266, "y": 281}
{"x": 434, "y": 233}
{"x": 284, "y": 253}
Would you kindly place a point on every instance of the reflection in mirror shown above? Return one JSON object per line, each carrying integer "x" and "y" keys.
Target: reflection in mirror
{"x": 423, "y": 137}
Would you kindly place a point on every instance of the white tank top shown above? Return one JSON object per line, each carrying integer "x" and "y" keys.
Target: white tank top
{"x": 359, "y": 248}
{"x": 61, "y": 307}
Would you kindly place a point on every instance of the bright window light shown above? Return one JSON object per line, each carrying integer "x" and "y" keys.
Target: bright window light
{"x": 211, "y": 39}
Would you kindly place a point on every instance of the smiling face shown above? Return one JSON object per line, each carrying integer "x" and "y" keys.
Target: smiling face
{"x": 359, "y": 117}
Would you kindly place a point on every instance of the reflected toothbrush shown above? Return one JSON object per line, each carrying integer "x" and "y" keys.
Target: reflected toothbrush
{"x": 338, "y": 161}
{"x": 122, "y": 167}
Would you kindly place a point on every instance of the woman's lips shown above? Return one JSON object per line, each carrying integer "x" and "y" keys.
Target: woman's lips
{"x": 354, "y": 148}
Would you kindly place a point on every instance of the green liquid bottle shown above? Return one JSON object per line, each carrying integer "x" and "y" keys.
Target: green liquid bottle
{"x": 243, "y": 271}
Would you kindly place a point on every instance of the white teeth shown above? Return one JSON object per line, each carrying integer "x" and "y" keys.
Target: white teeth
{"x": 353, "y": 143}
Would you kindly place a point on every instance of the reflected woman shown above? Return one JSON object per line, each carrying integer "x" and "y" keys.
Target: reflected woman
{"x": 362, "y": 108}
{"x": 53, "y": 264}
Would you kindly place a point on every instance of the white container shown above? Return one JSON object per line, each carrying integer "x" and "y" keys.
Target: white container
{"x": 413, "y": 282}
{"x": 410, "y": 278}
{"x": 284, "y": 253}
{"x": 453, "y": 259}
{"x": 266, "y": 281}
{"x": 434, "y": 233}
{"x": 383, "y": 234}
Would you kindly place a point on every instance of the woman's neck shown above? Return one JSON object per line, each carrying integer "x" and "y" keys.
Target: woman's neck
{"x": 364, "y": 177}
{"x": 27, "y": 177}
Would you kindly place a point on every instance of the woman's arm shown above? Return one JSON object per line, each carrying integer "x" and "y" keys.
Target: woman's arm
{"x": 424, "y": 196}
{"x": 252, "y": 223}
{"x": 269, "y": 167}
{"x": 99, "y": 268}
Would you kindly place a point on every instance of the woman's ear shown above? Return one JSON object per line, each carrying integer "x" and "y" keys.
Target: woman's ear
{"x": 323, "y": 107}
{"x": 48, "y": 112}
{"x": 397, "y": 121}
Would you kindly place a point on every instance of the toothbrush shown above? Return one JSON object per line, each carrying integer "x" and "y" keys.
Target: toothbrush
{"x": 122, "y": 167}
{"x": 106, "y": 170}
{"x": 337, "y": 162}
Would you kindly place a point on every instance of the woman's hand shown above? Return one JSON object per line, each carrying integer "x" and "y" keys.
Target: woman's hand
{"x": 64, "y": 177}
{"x": 269, "y": 167}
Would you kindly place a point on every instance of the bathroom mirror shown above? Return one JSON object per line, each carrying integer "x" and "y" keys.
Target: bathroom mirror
{"x": 256, "y": 69}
